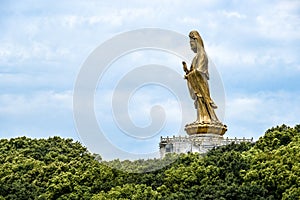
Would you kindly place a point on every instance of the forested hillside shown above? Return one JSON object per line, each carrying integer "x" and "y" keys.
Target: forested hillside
{"x": 58, "y": 168}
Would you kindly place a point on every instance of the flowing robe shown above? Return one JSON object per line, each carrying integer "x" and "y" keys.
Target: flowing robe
{"x": 199, "y": 90}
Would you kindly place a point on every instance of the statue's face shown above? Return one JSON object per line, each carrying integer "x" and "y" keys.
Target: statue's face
{"x": 193, "y": 44}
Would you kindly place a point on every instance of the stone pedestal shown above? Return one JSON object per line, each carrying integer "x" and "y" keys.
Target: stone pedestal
{"x": 196, "y": 128}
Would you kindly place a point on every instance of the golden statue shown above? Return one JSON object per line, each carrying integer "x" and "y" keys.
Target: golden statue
{"x": 197, "y": 79}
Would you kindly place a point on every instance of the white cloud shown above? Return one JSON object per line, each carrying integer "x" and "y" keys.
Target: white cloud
{"x": 41, "y": 103}
{"x": 259, "y": 111}
{"x": 39, "y": 52}
{"x": 110, "y": 17}
{"x": 39, "y": 114}
{"x": 234, "y": 15}
{"x": 139, "y": 105}
{"x": 277, "y": 60}
{"x": 189, "y": 20}
{"x": 281, "y": 22}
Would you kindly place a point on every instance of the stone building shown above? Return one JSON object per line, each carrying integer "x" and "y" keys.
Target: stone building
{"x": 195, "y": 143}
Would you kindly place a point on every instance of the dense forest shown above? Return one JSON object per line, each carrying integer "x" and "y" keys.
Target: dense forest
{"x": 58, "y": 168}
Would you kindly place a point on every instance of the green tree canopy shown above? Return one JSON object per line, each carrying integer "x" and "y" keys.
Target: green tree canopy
{"x": 58, "y": 168}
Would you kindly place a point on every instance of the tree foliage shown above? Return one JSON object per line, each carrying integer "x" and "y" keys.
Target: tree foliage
{"x": 58, "y": 168}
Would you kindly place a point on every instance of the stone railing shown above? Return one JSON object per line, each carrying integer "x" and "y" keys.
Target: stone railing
{"x": 201, "y": 139}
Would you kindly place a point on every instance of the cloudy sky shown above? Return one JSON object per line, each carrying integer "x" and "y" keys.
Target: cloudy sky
{"x": 253, "y": 45}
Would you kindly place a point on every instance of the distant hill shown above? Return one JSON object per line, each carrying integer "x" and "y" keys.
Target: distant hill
{"x": 58, "y": 168}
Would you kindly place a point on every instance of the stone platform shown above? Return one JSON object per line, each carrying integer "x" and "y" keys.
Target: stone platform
{"x": 200, "y": 143}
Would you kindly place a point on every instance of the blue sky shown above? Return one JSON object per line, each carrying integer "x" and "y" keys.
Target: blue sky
{"x": 254, "y": 46}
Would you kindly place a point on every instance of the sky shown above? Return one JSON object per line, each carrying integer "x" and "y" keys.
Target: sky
{"x": 253, "y": 49}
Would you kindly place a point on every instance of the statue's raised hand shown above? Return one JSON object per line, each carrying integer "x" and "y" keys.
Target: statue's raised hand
{"x": 185, "y": 69}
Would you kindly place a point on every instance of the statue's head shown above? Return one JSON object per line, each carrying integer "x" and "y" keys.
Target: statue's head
{"x": 196, "y": 41}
